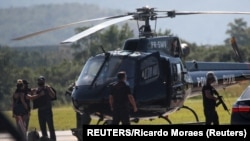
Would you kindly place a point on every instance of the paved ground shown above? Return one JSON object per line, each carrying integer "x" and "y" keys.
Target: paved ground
{"x": 61, "y": 136}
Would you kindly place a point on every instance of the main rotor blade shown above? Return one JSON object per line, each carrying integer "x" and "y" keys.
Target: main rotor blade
{"x": 96, "y": 28}
{"x": 64, "y": 26}
{"x": 208, "y": 12}
{"x": 174, "y": 13}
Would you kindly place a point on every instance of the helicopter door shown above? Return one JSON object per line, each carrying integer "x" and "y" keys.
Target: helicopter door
{"x": 167, "y": 80}
{"x": 149, "y": 87}
{"x": 177, "y": 83}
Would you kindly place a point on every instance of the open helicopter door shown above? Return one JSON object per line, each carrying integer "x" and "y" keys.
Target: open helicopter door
{"x": 149, "y": 87}
{"x": 175, "y": 84}
{"x": 173, "y": 75}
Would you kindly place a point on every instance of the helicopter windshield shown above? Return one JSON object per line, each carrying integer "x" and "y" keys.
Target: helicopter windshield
{"x": 107, "y": 72}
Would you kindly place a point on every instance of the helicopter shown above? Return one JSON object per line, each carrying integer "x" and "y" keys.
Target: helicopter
{"x": 160, "y": 78}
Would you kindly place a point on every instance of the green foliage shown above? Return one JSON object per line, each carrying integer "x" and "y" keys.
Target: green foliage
{"x": 60, "y": 65}
{"x": 240, "y": 31}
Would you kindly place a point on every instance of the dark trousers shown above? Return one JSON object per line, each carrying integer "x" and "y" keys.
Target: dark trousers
{"x": 212, "y": 117}
{"x": 45, "y": 116}
{"x": 121, "y": 115}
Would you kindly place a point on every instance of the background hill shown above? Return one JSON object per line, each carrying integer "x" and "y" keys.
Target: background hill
{"x": 24, "y": 20}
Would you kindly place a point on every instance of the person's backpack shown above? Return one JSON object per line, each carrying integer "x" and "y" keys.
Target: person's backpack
{"x": 33, "y": 135}
{"x": 55, "y": 98}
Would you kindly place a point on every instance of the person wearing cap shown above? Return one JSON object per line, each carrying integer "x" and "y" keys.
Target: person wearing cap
{"x": 44, "y": 105}
{"x": 27, "y": 91}
{"x": 19, "y": 107}
{"x": 209, "y": 100}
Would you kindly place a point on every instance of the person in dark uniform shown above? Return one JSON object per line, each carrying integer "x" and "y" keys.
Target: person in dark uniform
{"x": 44, "y": 105}
{"x": 27, "y": 91}
{"x": 209, "y": 100}
{"x": 119, "y": 100}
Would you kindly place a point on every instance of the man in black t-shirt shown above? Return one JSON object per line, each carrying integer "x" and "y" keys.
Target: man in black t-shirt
{"x": 119, "y": 100}
{"x": 209, "y": 101}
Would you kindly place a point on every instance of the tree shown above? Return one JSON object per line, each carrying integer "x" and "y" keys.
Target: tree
{"x": 240, "y": 31}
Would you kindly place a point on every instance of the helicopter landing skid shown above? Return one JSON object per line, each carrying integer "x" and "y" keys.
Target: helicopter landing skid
{"x": 166, "y": 118}
{"x": 196, "y": 117}
{"x": 185, "y": 107}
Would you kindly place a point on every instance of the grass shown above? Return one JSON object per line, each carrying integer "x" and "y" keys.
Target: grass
{"x": 64, "y": 116}
{"x": 186, "y": 116}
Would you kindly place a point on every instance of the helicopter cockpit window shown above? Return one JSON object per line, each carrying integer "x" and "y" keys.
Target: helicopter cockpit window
{"x": 108, "y": 71}
{"x": 89, "y": 71}
{"x": 114, "y": 65}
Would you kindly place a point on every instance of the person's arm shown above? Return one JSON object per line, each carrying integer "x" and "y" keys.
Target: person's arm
{"x": 33, "y": 97}
{"x": 111, "y": 101}
{"x": 209, "y": 95}
{"x": 132, "y": 101}
{"x": 33, "y": 94}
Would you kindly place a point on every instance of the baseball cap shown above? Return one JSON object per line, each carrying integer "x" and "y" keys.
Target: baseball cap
{"x": 41, "y": 78}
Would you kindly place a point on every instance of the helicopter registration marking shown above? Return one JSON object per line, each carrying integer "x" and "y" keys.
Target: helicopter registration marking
{"x": 227, "y": 79}
{"x": 201, "y": 81}
{"x": 158, "y": 44}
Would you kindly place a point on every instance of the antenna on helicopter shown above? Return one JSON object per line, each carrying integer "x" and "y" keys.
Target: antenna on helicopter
{"x": 103, "y": 49}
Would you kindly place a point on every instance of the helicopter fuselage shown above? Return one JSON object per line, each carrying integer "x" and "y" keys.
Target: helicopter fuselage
{"x": 159, "y": 78}
{"x": 156, "y": 79}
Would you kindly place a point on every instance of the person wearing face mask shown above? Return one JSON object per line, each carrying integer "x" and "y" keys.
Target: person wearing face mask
{"x": 19, "y": 107}
{"x": 44, "y": 106}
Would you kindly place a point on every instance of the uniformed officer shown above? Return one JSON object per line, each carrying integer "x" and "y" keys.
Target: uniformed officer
{"x": 119, "y": 100}
{"x": 209, "y": 100}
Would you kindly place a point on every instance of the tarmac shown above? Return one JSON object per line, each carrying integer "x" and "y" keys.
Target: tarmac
{"x": 60, "y": 135}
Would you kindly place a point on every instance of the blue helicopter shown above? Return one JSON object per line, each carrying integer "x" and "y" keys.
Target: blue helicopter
{"x": 160, "y": 78}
